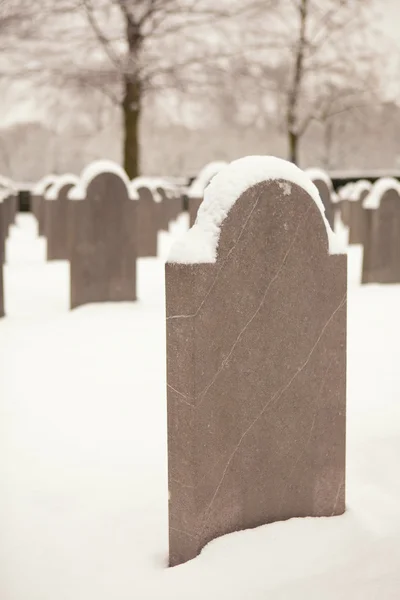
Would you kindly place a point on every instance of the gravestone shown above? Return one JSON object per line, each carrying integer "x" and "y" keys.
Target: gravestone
{"x": 102, "y": 244}
{"x": 196, "y": 190}
{"x": 56, "y": 205}
{"x": 2, "y": 256}
{"x": 381, "y": 259}
{"x": 256, "y": 359}
{"x": 37, "y": 201}
{"x": 344, "y": 204}
{"x": 324, "y": 185}
{"x": 148, "y": 218}
{"x": 171, "y": 203}
{"x": 357, "y": 216}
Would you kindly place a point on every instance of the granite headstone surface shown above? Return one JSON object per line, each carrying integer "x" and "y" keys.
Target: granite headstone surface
{"x": 256, "y": 373}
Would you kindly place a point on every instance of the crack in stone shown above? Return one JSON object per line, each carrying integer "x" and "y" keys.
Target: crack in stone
{"x": 184, "y": 398}
{"x": 274, "y": 278}
{"x": 193, "y": 536}
{"x": 303, "y": 451}
{"x": 337, "y": 498}
{"x": 276, "y": 396}
{"x": 224, "y": 262}
{"x": 226, "y": 359}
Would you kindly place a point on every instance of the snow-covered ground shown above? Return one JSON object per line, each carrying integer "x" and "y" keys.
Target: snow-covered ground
{"x": 83, "y": 473}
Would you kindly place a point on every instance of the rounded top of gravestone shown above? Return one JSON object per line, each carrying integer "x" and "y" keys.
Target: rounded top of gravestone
{"x": 358, "y": 189}
{"x": 92, "y": 171}
{"x": 196, "y": 190}
{"x": 345, "y": 191}
{"x": 7, "y": 184}
{"x": 43, "y": 184}
{"x": 316, "y": 174}
{"x": 53, "y": 191}
{"x": 200, "y": 243}
{"x": 151, "y": 183}
{"x": 379, "y": 189}
{"x": 154, "y": 184}
{"x": 7, "y": 187}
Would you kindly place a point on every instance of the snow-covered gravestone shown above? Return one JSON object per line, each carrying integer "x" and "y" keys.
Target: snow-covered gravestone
{"x": 323, "y": 183}
{"x": 357, "y": 215}
{"x": 37, "y": 201}
{"x": 195, "y": 193}
{"x": 256, "y": 358}
{"x": 381, "y": 259}
{"x": 102, "y": 236}
{"x": 57, "y": 217}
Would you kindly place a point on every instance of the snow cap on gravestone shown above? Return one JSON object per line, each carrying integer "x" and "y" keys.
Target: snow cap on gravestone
{"x": 93, "y": 170}
{"x": 40, "y": 187}
{"x": 200, "y": 243}
{"x": 53, "y": 191}
{"x": 152, "y": 183}
{"x": 378, "y": 190}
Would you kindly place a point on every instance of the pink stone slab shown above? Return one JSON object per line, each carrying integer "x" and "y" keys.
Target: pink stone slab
{"x": 256, "y": 367}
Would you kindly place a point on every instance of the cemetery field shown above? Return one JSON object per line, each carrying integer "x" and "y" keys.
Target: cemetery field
{"x": 83, "y": 453}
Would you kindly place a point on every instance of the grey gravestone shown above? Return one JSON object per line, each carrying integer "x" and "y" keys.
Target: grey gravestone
{"x": 381, "y": 259}
{"x": 38, "y": 203}
{"x": 357, "y": 214}
{"x": 56, "y": 224}
{"x": 256, "y": 363}
{"x": 2, "y": 256}
{"x": 193, "y": 205}
{"x": 147, "y": 223}
{"x": 103, "y": 243}
{"x": 325, "y": 192}
{"x": 171, "y": 205}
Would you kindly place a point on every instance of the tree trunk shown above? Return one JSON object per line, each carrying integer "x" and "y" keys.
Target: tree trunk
{"x": 131, "y": 117}
{"x": 292, "y": 117}
{"x": 293, "y": 139}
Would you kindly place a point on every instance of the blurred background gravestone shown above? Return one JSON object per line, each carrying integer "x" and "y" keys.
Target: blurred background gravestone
{"x": 381, "y": 259}
{"x": 56, "y": 217}
{"x": 103, "y": 237}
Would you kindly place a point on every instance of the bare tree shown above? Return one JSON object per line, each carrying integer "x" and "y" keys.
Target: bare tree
{"x": 155, "y": 45}
{"x": 328, "y": 67}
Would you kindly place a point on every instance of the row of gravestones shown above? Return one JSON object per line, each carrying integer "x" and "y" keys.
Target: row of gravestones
{"x": 256, "y": 295}
{"x": 101, "y": 223}
{"x": 372, "y": 214}
{"x": 8, "y": 211}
